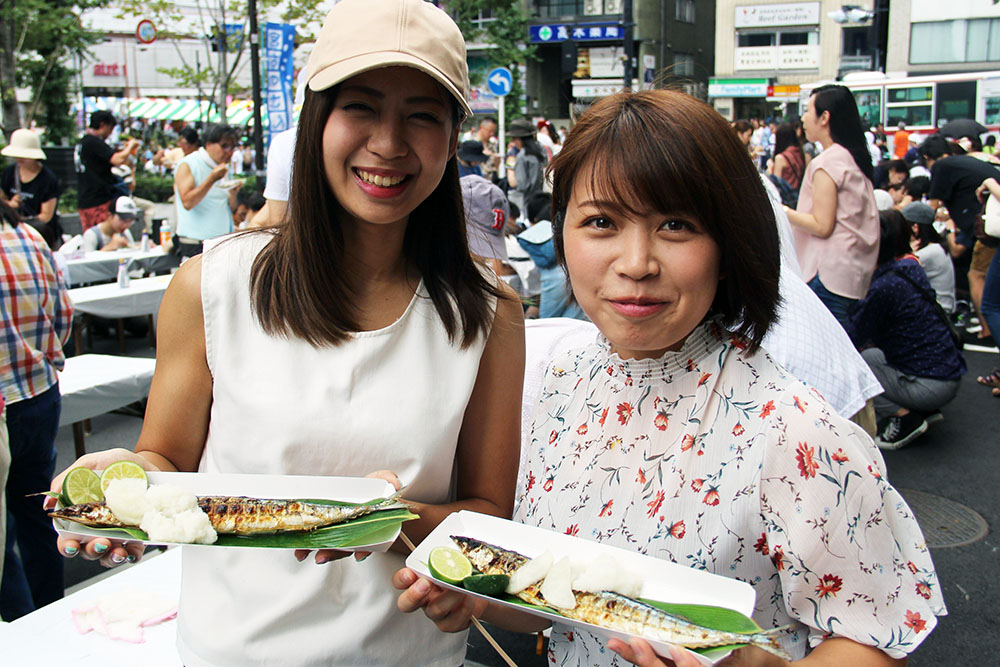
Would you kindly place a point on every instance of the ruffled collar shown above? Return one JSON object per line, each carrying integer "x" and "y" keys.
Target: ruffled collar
{"x": 708, "y": 339}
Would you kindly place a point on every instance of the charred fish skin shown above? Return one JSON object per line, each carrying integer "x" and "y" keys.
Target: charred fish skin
{"x": 241, "y": 515}
{"x": 615, "y": 611}
{"x": 97, "y": 515}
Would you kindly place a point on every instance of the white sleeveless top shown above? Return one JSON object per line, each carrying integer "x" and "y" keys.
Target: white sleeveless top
{"x": 387, "y": 399}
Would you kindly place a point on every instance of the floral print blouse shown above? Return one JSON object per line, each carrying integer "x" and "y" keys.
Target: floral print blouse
{"x": 723, "y": 462}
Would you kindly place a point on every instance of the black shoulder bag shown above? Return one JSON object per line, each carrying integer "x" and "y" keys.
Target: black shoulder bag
{"x": 956, "y": 335}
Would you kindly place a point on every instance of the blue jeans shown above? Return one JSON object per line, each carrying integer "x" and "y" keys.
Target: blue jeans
{"x": 836, "y": 304}
{"x": 990, "y": 304}
{"x": 36, "y": 577}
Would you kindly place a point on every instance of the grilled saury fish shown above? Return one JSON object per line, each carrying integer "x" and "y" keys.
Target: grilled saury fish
{"x": 241, "y": 515}
{"x": 617, "y": 612}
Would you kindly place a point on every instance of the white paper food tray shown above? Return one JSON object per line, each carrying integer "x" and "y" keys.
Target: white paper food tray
{"x": 663, "y": 581}
{"x": 347, "y": 489}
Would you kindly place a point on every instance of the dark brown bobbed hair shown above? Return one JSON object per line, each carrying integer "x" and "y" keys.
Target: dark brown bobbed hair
{"x": 662, "y": 150}
{"x": 297, "y": 284}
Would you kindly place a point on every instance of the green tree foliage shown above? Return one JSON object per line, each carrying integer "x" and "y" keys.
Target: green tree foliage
{"x": 506, "y": 36}
{"x": 37, "y": 38}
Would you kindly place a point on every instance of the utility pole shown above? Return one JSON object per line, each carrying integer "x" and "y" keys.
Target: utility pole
{"x": 629, "y": 43}
{"x": 258, "y": 130}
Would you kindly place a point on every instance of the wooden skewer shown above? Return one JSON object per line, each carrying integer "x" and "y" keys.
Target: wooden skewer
{"x": 475, "y": 621}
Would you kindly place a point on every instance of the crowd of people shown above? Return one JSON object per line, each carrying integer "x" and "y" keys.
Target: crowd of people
{"x": 752, "y": 315}
{"x": 882, "y": 224}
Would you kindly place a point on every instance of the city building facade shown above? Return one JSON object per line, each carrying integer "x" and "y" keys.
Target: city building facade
{"x": 765, "y": 51}
{"x": 581, "y": 49}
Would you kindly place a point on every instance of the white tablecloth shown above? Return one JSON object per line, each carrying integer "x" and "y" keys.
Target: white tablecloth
{"x": 93, "y": 384}
{"x": 48, "y": 636}
{"x": 99, "y": 266}
{"x": 142, "y": 297}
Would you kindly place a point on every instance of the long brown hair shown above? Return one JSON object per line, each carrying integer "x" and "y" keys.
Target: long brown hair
{"x": 297, "y": 283}
{"x": 661, "y": 150}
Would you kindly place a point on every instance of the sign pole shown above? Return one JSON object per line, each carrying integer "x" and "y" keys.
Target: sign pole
{"x": 500, "y": 82}
{"x": 501, "y": 136}
{"x": 258, "y": 125}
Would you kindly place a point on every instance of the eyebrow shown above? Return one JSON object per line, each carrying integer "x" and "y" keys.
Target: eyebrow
{"x": 377, "y": 94}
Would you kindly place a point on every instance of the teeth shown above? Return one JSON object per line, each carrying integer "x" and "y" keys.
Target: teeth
{"x": 379, "y": 180}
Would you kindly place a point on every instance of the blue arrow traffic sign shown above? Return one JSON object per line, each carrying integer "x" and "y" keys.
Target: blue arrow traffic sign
{"x": 500, "y": 81}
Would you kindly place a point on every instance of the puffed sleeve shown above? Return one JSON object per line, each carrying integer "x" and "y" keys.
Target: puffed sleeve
{"x": 850, "y": 556}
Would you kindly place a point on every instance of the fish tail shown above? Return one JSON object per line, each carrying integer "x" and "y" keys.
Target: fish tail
{"x": 395, "y": 501}
{"x": 767, "y": 640}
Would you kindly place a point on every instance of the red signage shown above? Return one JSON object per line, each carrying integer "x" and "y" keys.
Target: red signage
{"x": 109, "y": 69}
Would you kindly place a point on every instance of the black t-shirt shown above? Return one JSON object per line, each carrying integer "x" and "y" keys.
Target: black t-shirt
{"x": 954, "y": 180}
{"x": 34, "y": 193}
{"x": 96, "y": 179}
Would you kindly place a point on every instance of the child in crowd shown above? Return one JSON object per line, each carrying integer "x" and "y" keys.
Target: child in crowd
{"x": 674, "y": 434}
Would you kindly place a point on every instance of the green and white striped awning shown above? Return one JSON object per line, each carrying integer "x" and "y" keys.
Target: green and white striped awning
{"x": 239, "y": 112}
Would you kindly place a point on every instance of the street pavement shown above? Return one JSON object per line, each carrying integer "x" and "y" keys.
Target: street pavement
{"x": 955, "y": 460}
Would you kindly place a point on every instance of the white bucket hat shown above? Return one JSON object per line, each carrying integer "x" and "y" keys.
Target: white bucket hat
{"x": 24, "y": 144}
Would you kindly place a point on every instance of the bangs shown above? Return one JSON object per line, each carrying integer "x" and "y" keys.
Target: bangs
{"x": 637, "y": 159}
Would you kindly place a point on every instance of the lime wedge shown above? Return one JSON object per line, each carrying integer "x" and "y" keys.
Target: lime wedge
{"x": 81, "y": 485}
{"x": 486, "y": 584}
{"x": 448, "y": 565}
{"x": 122, "y": 470}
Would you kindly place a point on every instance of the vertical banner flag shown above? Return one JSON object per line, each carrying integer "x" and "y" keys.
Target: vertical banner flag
{"x": 279, "y": 41}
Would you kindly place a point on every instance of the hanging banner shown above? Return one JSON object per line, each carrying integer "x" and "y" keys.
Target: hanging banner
{"x": 279, "y": 41}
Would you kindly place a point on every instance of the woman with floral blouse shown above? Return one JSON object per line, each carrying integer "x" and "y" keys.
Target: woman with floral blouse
{"x": 675, "y": 435}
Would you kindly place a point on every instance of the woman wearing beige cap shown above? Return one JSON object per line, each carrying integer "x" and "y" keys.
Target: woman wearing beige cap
{"x": 359, "y": 337}
{"x": 30, "y": 187}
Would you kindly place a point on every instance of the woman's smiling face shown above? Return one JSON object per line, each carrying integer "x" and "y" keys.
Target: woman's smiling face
{"x": 645, "y": 280}
{"x": 386, "y": 143}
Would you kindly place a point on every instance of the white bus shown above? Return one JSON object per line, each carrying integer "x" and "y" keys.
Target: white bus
{"x": 924, "y": 103}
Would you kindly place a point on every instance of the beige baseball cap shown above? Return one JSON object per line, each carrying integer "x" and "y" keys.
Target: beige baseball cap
{"x": 361, "y": 35}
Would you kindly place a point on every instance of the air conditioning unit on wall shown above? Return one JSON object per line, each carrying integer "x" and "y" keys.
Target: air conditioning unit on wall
{"x": 594, "y": 7}
{"x": 612, "y": 6}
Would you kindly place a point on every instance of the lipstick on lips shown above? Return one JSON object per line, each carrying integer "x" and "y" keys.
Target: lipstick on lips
{"x": 381, "y": 183}
{"x": 637, "y": 307}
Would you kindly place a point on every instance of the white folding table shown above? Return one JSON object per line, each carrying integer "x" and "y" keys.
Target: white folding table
{"x": 93, "y": 384}
{"x": 141, "y": 297}
{"x": 98, "y": 266}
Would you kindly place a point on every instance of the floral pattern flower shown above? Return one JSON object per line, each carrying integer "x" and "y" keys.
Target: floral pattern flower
{"x": 751, "y": 476}
{"x": 829, "y": 584}
{"x": 804, "y": 456}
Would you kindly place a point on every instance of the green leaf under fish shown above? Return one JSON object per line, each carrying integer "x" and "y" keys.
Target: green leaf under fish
{"x": 708, "y": 616}
{"x": 374, "y": 528}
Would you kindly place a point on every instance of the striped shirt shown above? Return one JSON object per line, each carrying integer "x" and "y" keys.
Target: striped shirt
{"x": 36, "y": 314}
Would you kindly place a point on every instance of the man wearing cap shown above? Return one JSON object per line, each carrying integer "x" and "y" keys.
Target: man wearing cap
{"x": 486, "y": 213}
{"x": 113, "y": 233}
{"x": 31, "y": 188}
{"x": 932, "y": 253}
{"x": 470, "y": 158}
{"x": 97, "y": 183}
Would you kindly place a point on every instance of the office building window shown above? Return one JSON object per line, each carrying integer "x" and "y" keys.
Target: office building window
{"x": 557, "y": 8}
{"x": 758, "y": 39}
{"x": 684, "y": 10}
{"x": 683, "y": 64}
{"x": 957, "y": 41}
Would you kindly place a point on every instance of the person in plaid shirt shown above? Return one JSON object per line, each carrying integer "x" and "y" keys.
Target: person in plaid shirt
{"x": 36, "y": 314}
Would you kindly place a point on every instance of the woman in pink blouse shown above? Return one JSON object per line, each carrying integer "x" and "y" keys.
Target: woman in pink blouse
{"x": 836, "y": 224}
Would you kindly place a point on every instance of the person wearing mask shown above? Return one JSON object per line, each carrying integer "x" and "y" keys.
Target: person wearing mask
{"x": 31, "y": 188}
{"x": 527, "y": 176}
{"x": 97, "y": 183}
{"x": 836, "y": 220}
{"x": 205, "y": 203}
{"x": 932, "y": 253}
{"x": 37, "y": 315}
{"x": 904, "y": 336}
